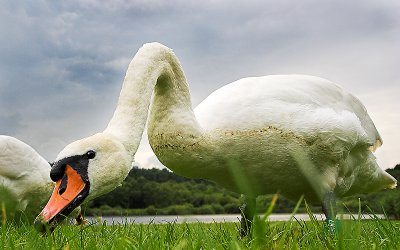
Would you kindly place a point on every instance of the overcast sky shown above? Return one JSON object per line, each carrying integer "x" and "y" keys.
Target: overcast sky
{"x": 62, "y": 62}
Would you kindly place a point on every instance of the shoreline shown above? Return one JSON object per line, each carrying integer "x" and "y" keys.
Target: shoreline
{"x": 166, "y": 219}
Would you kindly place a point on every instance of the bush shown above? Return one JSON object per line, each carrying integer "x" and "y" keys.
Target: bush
{"x": 391, "y": 203}
{"x": 205, "y": 209}
{"x": 151, "y": 210}
{"x": 179, "y": 209}
{"x": 231, "y": 208}
{"x": 217, "y": 209}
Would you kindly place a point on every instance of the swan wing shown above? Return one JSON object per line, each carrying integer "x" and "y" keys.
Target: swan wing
{"x": 306, "y": 105}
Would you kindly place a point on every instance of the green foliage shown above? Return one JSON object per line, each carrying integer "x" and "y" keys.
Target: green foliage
{"x": 354, "y": 234}
{"x": 395, "y": 172}
{"x": 155, "y": 191}
{"x": 161, "y": 192}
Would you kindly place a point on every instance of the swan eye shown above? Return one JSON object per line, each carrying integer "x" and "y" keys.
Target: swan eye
{"x": 91, "y": 154}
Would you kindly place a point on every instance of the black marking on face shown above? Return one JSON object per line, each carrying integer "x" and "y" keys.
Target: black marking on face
{"x": 63, "y": 185}
{"x": 79, "y": 163}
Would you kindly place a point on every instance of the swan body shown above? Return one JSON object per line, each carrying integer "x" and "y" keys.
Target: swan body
{"x": 24, "y": 176}
{"x": 299, "y": 135}
{"x": 264, "y": 123}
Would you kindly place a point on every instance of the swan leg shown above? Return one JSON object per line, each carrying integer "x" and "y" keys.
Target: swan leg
{"x": 80, "y": 220}
{"x": 248, "y": 210}
{"x": 77, "y": 214}
{"x": 330, "y": 211}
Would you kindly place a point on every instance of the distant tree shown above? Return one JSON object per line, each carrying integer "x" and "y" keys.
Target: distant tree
{"x": 395, "y": 172}
{"x": 391, "y": 199}
{"x": 160, "y": 191}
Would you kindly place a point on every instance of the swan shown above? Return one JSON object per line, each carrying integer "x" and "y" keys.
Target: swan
{"x": 293, "y": 134}
{"x": 25, "y": 182}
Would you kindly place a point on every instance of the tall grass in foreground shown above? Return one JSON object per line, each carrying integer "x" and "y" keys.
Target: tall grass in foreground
{"x": 293, "y": 234}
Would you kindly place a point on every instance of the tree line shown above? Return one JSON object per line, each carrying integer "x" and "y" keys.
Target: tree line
{"x": 161, "y": 192}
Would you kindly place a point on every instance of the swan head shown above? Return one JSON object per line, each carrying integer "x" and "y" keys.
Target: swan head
{"x": 84, "y": 170}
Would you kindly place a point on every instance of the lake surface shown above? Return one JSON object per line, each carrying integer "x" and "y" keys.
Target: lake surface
{"x": 165, "y": 219}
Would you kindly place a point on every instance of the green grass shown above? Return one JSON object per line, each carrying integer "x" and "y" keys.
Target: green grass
{"x": 353, "y": 234}
{"x": 293, "y": 234}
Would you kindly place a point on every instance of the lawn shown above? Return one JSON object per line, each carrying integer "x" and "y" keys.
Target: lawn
{"x": 353, "y": 234}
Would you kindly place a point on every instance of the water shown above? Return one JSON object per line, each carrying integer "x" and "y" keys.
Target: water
{"x": 165, "y": 219}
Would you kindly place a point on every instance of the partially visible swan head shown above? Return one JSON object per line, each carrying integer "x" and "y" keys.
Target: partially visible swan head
{"x": 85, "y": 169}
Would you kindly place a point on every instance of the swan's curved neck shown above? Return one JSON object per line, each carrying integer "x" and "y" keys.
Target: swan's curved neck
{"x": 155, "y": 68}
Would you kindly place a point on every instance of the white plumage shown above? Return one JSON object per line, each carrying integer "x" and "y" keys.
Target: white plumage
{"x": 264, "y": 122}
{"x": 24, "y": 176}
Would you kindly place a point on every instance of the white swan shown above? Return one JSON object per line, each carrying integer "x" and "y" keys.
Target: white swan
{"x": 24, "y": 176}
{"x": 299, "y": 135}
{"x": 25, "y": 182}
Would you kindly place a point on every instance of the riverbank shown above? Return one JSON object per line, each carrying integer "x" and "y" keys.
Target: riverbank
{"x": 166, "y": 219}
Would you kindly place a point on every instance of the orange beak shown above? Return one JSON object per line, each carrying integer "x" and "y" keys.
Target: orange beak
{"x": 60, "y": 200}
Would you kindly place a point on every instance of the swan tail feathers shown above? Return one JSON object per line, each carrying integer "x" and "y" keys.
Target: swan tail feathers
{"x": 390, "y": 181}
{"x": 376, "y": 145}
{"x": 383, "y": 180}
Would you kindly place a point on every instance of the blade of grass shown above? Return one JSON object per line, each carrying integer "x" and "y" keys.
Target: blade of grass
{"x": 270, "y": 207}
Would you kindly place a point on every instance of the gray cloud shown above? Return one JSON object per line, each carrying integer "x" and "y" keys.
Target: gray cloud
{"x": 62, "y": 62}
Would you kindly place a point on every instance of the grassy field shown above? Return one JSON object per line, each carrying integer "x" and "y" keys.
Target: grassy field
{"x": 353, "y": 234}
{"x": 293, "y": 234}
